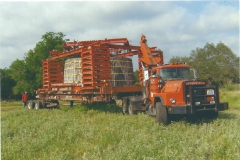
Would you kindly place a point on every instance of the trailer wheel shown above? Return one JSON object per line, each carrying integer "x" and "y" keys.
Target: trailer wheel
{"x": 43, "y": 103}
{"x": 131, "y": 111}
{"x": 161, "y": 114}
{"x": 38, "y": 105}
{"x": 30, "y": 105}
{"x": 57, "y": 104}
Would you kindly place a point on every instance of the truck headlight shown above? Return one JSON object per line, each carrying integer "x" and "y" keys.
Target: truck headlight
{"x": 172, "y": 100}
{"x": 210, "y": 92}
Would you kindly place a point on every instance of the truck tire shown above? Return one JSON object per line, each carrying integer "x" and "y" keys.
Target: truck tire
{"x": 124, "y": 107}
{"x": 30, "y": 105}
{"x": 131, "y": 111}
{"x": 38, "y": 104}
{"x": 162, "y": 116}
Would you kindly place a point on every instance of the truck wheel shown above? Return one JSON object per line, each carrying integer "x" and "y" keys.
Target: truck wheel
{"x": 161, "y": 114}
{"x": 38, "y": 105}
{"x": 131, "y": 111}
{"x": 30, "y": 105}
{"x": 124, "y": 107}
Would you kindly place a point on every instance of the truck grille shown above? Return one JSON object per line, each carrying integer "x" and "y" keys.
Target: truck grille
{"x": 197, "y": 91}
{"x": 196, "y": 97}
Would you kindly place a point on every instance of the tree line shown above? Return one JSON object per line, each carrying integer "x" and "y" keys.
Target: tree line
{"x": 216, "y": 64}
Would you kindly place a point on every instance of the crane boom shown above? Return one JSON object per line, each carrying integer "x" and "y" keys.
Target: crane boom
{"x": 146, "y": 55}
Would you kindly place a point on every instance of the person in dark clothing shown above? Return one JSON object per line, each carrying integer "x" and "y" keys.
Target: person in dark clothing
{"x": 24, "y": 99}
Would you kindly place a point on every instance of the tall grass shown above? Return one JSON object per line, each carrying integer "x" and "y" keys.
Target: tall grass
{"x": 97, "y": 133}
{"x": 232, "y": 97}
{"x": 101, "y": 131}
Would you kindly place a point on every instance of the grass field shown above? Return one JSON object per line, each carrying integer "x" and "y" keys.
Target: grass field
{"x": 105, "y": 133}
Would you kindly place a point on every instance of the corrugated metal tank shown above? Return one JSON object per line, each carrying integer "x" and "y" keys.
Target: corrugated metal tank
{"x": 122, "y": 71}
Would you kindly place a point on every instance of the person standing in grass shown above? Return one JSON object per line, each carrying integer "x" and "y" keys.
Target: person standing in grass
{"x": 24, "y": 99}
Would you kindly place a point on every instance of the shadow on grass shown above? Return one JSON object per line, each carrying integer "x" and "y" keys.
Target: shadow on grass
{"x": 201, "y": 118}
{"x": 227, "y": 115}
{"x": 98, "y": 107}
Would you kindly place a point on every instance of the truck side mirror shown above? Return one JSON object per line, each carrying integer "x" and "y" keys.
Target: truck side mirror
{"x": 194, "y": 73}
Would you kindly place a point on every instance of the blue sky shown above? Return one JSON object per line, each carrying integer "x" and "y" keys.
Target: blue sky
{"x": 175, "y": 27}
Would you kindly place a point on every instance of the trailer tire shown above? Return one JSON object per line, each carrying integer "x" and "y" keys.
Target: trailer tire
{"x": 30, "y": 105}
{"x": 162, "y": 116}
{"x": 131, "y": 111}
{"x": 38, "y": 105}
{"x": 43, "y": 103}
{"x": 58, "y": 105}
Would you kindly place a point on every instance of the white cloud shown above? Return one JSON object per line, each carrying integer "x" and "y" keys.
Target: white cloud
{"x": 218, "y": 18}
{"x": 175, "y": 29}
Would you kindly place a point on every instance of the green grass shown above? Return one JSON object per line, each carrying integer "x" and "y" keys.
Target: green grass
{"x": 232, "y": 97}
{"x": 10, "y": 103}
{"x": 103, "y": 132}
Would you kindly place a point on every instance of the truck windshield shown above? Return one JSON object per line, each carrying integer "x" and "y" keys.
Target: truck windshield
{"x": 174, "y": 73}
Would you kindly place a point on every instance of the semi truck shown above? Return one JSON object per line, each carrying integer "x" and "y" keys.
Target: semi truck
{"x": 164, "y": 90}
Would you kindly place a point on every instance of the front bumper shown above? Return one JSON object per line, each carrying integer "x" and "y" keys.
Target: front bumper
{"x": 191, "y": 109}
{"x": 222, "y": 106}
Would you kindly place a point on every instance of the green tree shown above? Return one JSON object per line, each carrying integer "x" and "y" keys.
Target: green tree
{"x": 136, "y": 77}
{"x": 28, "y": 72}
{"x": 18, "y": 74}
{"x": 216, "y": 64}
{"x": 179, "y": 59}
{"x": 7, "y": 83}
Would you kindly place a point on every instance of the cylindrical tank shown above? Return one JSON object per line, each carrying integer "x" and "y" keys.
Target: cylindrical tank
{"x": 73, "y": 71}
{"x": 154, "y": 84}
{"x": 121, "y": 71}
